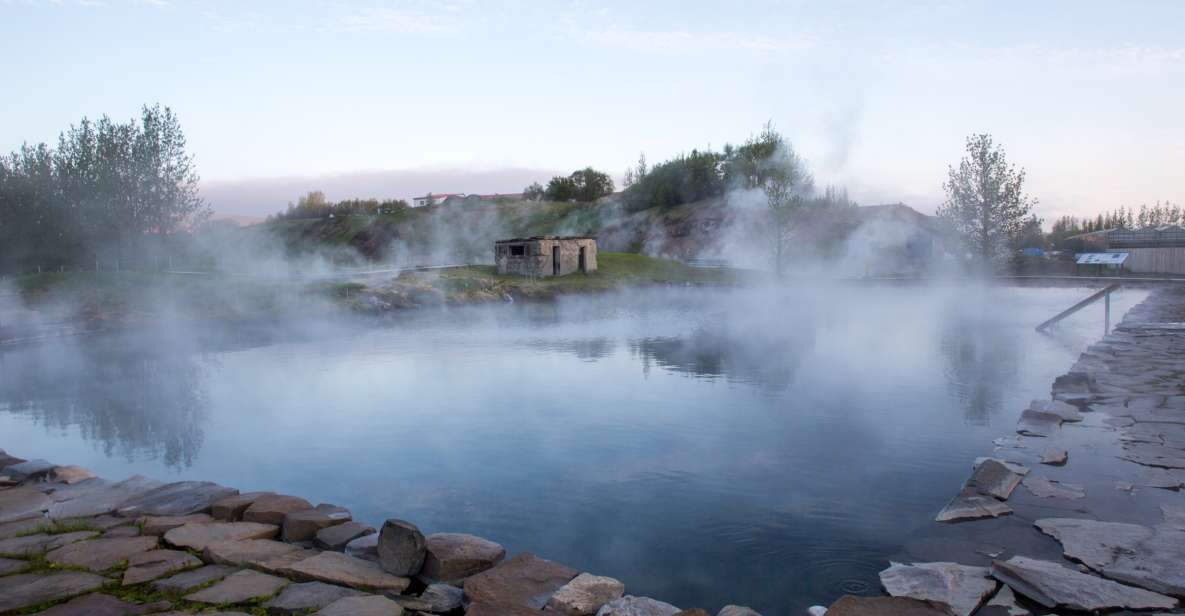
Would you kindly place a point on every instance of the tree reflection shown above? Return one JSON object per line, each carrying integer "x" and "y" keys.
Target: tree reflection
{"x": 134, "y": 402}
{"x": 980, "y": 364}
{"x": 769, "y": 360}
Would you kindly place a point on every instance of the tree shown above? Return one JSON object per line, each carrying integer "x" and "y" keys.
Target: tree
{"x": 783, "y": 177}
{"x": 985, "y": 199}
{"x": 534, "y": 192}
{"x": 584, "y": 185}
{"x": 560, "y": 189}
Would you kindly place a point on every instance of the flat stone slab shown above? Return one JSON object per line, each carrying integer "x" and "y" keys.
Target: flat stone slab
{"x": 1053, "y": 585}
{"x": 97, "y": 496}
{"x": 1093, "y": 543}
{"x": 303, "y": 525}
{"x": 365, "y": 547}
{"x": 1037, "y": 423}
{"x": 584, "y": 595}
{"x": 98, "y": 604}
{"x": 22, "y": 502}
{"x": 436, "y": 599}
{"x": 1174, "y": 515}
{"x": 10, "y": 565}
{"x": 452, "y": 557}
{"x": 198, "y": 536}
{"x": 338, "y": 536}
{"x": 1154, "y": 455}
{"x": 271, "y": 508}
{"x": 630, "y": 605}
{"x": 243, "y": 586}
{"x": 369, "y": 605}
{"x": 29, "y": 469}
{"x": 100, "y": 554}
{"x": 994, "y": 478}
{"x": 20, "y": 527}
{"x": 42, "y": 542}
{"x": 971, "y": 506}
{"x": 1054, "y": 456}
{"x": 1047, "y": 488}
{"x": 231, "y": 508}
{"x": 183, "y": 582}
{"x": 69, "y": 475}
{"x": 961, "y": 587}
{"x": 1064, "y": 411}
{"x": 300, "y": 598}
{"x": 525, "y": 580}
{"x": 1148, "y": 557}
{"x": 337, "y": 568}
{"x": 159, "y": 525}
{"x": 882, "y": 606}
{"x": 29, "y": 589}
{"x": 276, "y": 564}
{"x": 148, "y": 566}
{"x": 1003, "y": 604}
{"x": 245, "y": 551}
{"x": 177, "y": 498}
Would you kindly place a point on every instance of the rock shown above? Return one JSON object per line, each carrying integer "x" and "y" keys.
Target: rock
{"x": 159, "y": 525}
{"x": 849, "y": 605}
{"x": 231, "y": 508}
{"x": 452, "y": 557}
{"x": 154, "y": 564}
{"x": 994, "y": 478}
{"x": 177, "y": 498}
{"x": 737, "y": 610}
{"x": 1054, "y": 456}
{"x": 9, "y": 565}
{"x": 97, "y": 496}
{"x": 1037, "y": 423}
{"x": 336, "y": 568}
{"x": 401, "y": 548}
{"x": 1053, "y": 585}
{"x": 969, "y": 505}
{"x": 1066, "y": 412}
{"x": 816, "y": 610}
{"x": 28, "y": 470}
{"x": 246, "y": 585}
{"x": 7, "y": 460}
{"x": 245, "y": 551}
{"x": 183, "y": 582}
{"x": 1047, "y": 488}
{"x": 338, "y": 536}
{"x": 276, "y": 564}
{"x": 122, "y": 531}
{"x": 585, "y": 594}
{"x": 1174, "y": 515}
{"x": 370, "y": 605}
{"x": 436, "y": 598}
{"x": 69, "y": 475}
{"x": 100, "y": 554}
{"x": 271, "y": 508}
{"x": 525, "y": 580}
{"x": 20, "y": 503}
{"x": 28, "y": 545}
{"x": 696, "y": 611}
{"x": 1093, "y": 543}
{"x": 1166, "y": 479}
{"x": 97, "y": 604}
{"x": 1003, "y": 604}
{"x": 303, "y": 525}
{"x": 1154, "y": 455}
{"x": 198, "y": 536}
{"x": 1154, "y": 563}
{"x": 21, "y": 527}
{"x": 630, "y": 605}
{"x": 300, "y": 598}
{"x": 961, "y": 587}
{"x": 486, "y": 609}
{"x": 28, "y": 589}
{"x": 365, "y": 547}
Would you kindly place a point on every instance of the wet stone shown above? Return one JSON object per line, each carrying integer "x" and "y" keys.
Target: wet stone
{"x": 28, "y": 545}
{"x": 452, "y": 557}
{"x": 20, "y": 503}
{"x": 336, "y": 568}
{"x": 737, "y": 610}
{"x": 994, "y": 478}
{"x": 1037, "y": 423}
{"x": 28, "y": 470}
{"x": 1003, "y": 604}
{"x": 525, "y": 580}
{"x": 159, "y": 525}
{"x": 243, "y": 586}
{"x": 97, "y": 604}
{"x": 245, "y": 551}
{"x": 969, "y": 505}
{"x": 338, "y": 536}
{"x": 183, "y": 582}
{"x": 1047, "y": 488}
{"x": 961, "y": 587}
{"x": 365, "y": 547}
{"x": 198, "y": 536}
{"x": 100, "y": 554}
{"x": 174, "y": 499}
{"x": 1053, "y": 585}
{"x": 401, "y": 548}
{"x": 630, "y": 605}
{"x": 370, "y": 605}
{"x": 97, "y": 496}
{"x": 1054, "y": 456}
{"x": 155, "y": 564}
{"x": 300, "y": 598}
{"x": 1174, "y": 515}
{"x": 1091, "y": 542}
{"x": 69, "y": 474}
{"x": 436, "y": 599}
{"x": 271, "y": 508}
{"x": 1064, "y": 411}
{"x": 585, "y": 594}
{"x": 883, "y": 606}
{"x": 231, "y": 508}
{"x": 29, "y": 589}
{"x": 303, "y": 525}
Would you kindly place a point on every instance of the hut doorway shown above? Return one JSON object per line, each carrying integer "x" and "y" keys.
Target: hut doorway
{"x": 583, "y": 267}
{"x": 555, "y": 260}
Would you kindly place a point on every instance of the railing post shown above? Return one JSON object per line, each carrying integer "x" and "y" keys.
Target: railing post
{"x": 1107, "y": 311}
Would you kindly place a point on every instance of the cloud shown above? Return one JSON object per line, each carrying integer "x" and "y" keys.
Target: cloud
{"x": 669, "y": 40}
{"x": 402, "y": 21}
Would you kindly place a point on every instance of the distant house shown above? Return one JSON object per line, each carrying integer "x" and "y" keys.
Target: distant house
{"x": 546, "y": 255}
{"x": 438, "y": 198}
{"x": 435, "y": 198}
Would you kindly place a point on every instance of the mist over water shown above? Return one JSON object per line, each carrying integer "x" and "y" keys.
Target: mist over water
{"x": 770, "y": 448}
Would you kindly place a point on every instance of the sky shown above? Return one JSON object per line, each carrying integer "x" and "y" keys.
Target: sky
{"x": 395, "y": 99}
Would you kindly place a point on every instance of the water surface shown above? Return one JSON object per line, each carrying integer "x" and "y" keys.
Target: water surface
{"x": 706, "y": 447}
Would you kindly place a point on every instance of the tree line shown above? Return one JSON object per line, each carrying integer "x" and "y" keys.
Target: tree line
{"x": 314, "y": 204}
{"x": 110, "y": 191}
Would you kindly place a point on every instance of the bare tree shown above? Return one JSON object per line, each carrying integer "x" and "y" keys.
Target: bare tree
{"x": 985, "y": 199}
{"x": 773, "y": 166}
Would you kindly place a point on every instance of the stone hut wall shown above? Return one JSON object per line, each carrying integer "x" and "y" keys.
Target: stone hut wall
{"x": 537, "y": 257}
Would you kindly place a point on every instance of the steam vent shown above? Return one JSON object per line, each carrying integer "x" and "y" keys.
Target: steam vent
{"x": 546, "y": 255}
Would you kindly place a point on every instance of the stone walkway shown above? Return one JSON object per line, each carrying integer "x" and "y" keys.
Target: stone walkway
{"x": 1080, "y": 509}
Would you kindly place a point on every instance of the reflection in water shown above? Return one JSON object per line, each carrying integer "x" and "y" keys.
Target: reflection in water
{"x": 135, "y": 404}
{"x": 769, "y": 361}
{"x": 980, "y": 364}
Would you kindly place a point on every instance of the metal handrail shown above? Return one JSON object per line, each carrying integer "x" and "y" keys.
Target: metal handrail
{"x": 1104, "y": 293}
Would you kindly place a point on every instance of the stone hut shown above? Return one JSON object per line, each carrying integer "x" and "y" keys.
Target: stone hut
{"x": 546, "y": 255}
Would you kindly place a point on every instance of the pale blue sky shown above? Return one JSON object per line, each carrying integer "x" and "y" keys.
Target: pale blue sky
{"x": 879, "y": 96}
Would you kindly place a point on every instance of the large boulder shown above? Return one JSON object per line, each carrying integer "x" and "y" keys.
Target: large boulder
{"x": 401, "y": 548}
{"x": 630, "y": 605}
{"x": 585, "y": 594}
{"x": 271, "y": 508}
{"x": 525, "y": 580}
{"x": 303, "y": 525}
{"x": 452, "y": 557}
{"x": 1053, "y": 585}
{"x": 436, "y": 599}
{"x": 961, "y": 587}
{"x": 338, "y": 536}
{"x": 231, "y": 508}
{"x": 365, "y": 547}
